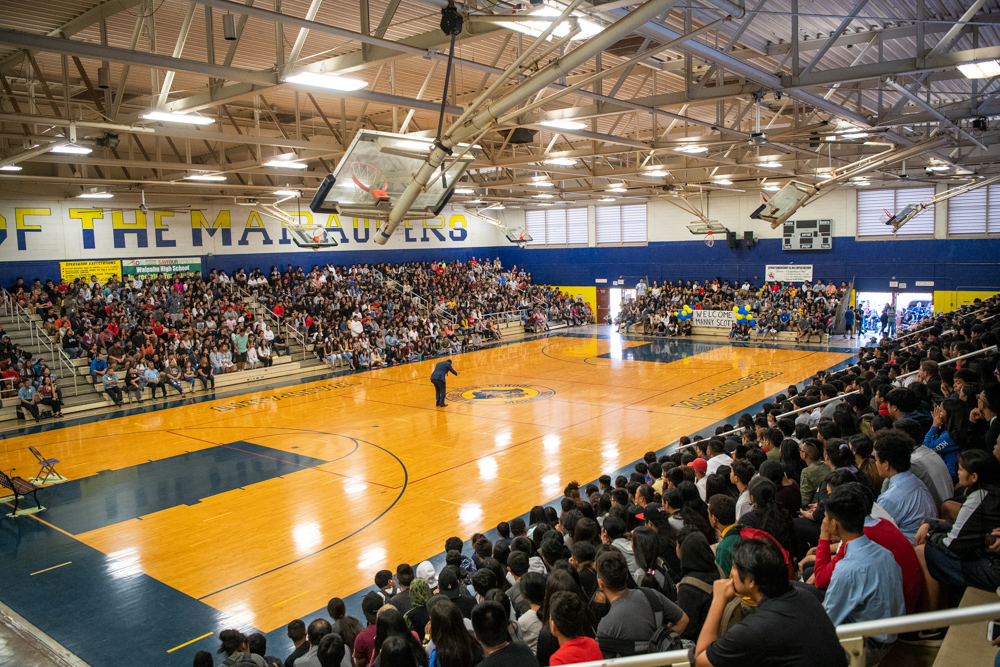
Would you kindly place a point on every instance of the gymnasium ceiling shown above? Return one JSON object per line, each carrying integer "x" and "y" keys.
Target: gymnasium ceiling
{"x": 833, "y": 81}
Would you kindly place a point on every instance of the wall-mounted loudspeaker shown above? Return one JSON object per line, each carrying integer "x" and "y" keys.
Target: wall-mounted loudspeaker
{"x": 731, "y": 240}
{"x": 748, "y": 239}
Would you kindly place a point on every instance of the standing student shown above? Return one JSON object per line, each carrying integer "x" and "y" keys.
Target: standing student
{"x": 438, "y": 379}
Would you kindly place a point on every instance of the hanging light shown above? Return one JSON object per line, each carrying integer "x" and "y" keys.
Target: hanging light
{"x": 229, "y": 27}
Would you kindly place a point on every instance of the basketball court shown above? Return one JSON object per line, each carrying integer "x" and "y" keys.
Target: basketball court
{"x": 254, "y": 510}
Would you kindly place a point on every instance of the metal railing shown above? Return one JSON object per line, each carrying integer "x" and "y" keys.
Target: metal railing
{"x": 851, "y": 635}
{"x": 39, "y": 336}
{"x": 277, "y": 321}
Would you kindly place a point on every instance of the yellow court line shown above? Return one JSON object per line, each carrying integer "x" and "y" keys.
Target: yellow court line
{"x": 450, "y": 501}
{"x": 50, "y": 568}
{"x": 207, "y": 634}
{"x": 215, "y": 517}
{"x": 508, "y": 479}
{"x": 278, "y": 604}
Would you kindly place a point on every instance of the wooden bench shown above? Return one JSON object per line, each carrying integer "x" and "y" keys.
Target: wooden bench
{"x": 21, "y": 488}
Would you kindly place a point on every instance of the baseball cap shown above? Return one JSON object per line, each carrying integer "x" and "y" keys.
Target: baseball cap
{"x": 426, "y": 572}
{"x": 371, "y": 604}
{"x": 651, "y": 510}
{"x": 449, "y": 583}
{"x": 701, "y": 465}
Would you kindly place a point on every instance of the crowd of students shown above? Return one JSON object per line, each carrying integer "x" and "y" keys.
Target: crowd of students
{"x": 156, "y": 332}
{"x": 774, "y": 306}
{"x": 871, "y": 493}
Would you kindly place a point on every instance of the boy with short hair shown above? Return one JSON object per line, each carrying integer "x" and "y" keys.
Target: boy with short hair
{"x": 566, "y": 620}
{"x": 814, "y": 473}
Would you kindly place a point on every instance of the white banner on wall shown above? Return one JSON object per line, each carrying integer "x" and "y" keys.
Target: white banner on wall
{"x": 67, "y": 231}
{"x": 789, "y": 273}
{"x": 713, "y": 318}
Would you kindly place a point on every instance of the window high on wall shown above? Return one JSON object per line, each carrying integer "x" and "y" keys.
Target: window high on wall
{"x": 973, "y": 213}
{"x": 619, "y": 225}
{"x": 876, "y": 206}
{"x": 557, "y": 226}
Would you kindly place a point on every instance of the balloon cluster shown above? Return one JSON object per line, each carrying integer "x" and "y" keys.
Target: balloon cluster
{"x": 685, "y": 313}
{"x": 743, "y": 316}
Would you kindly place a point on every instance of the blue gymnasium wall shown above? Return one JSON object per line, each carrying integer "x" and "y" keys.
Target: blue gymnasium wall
{"x": 958, "y": 264}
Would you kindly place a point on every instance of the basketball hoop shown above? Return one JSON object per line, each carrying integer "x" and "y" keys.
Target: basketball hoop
{"x": 709, "y": 239}
{"x": 370, "y": 182}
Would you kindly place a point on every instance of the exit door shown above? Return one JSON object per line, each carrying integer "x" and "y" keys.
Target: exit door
{"x": 603, "y": 303}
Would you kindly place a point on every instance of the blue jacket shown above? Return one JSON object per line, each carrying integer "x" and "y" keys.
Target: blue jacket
{"x": 941, "y": 442}
{"x": 441, "y": 370}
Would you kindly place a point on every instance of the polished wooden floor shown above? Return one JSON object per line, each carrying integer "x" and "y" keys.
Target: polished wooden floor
{"x": 383, "y": 475}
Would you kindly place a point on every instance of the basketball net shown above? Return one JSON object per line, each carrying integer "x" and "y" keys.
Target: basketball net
{"x": 710, "y": 239}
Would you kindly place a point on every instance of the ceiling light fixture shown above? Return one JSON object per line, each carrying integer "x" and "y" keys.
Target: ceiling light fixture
{"x": 205, "y": 177}
{"x": 534, "y": 28}
{"x": 723, "y": 181}
{"x": 544, "y": 196}
{"x": 564, "y": 124}
{"x": 95, "y": 195}
{"x": 464, "y": 191}
{"x": 71, "y": 149}
{"x": 327, "y": 81}
{"x": 938, "y": 167}
{"x": 10, "y": 167}
{"x": 288, "y": 193}
{"x": 616, "y": 189}
{"x": 770, "y": 187}
{"x": 285, "y": 164}
{"x": 174, "y": 117}
{"x": 855, "y": 135}
{"x": 657, "y": 173}
{"x": 606, "y": 199}
{"x": 544, "y": 184}
{"x": 693, "y": 148}
{"x": 475, "y": 201}
{"x": 983, "y": 69}
{"x": 561, "y": 161}
{"x": 770, "y": 164}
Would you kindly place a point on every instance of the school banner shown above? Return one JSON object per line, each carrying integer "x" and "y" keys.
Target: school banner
{"x": 103, "y": 269}
{"x": 165, "y": 265}
{"x": 789, "y": 273}
{"x": 713, "y": 318}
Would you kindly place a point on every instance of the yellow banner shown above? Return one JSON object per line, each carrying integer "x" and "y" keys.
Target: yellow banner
{"x": 103, "y": 269}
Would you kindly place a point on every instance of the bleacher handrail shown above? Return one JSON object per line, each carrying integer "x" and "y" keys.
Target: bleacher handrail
{"x": 851, "y": 636}
{"x": 37, "y": 331}
{"x": 277, "y": 320}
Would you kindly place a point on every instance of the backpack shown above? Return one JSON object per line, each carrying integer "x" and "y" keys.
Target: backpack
{"x": 662, "y": 639}
{"x": 736, "y": 609}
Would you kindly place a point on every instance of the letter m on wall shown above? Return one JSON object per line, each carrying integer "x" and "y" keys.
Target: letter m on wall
{"x": 200, "y": 223}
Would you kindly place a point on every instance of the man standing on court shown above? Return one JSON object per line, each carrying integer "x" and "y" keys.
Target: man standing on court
{"x": 438, "y": 378}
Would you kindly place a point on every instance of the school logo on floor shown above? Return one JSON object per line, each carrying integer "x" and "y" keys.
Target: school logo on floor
{"x": 500, "y": 393}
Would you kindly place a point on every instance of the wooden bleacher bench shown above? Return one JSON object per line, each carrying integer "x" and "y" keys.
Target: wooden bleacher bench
{"x": 20, "y": 488}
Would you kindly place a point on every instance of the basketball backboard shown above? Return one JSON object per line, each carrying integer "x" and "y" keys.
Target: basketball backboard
{"x": 311, "y": 236}
{"x": 783, "y": 203}
{"x": 377, "y": 168}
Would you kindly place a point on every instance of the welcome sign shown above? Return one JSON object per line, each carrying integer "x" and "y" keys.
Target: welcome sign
{"x": 713, "y": 318}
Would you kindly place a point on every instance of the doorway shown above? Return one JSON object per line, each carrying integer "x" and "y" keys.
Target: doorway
{"x": 908, "y": 307}
{"x": 616, "y": 297}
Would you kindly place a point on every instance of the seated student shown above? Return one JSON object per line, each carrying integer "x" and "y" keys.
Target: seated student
{"x": 489, "y": 621}
{"x": 694, "y": 590}
{"x": 111, "y": 386}
{"x": 567, "y": 612}
{"x": 905, "y": 497}
{"x": 964, "y": 552}
{"x": 866, "y": 584}
{"x": 632, "y": 618}
{"x": 722, "y": 516}
{"x": 788, "y": 626}
{"x": 815, "y": 471}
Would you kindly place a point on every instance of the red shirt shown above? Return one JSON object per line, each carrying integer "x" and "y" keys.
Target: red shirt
{"x": 579, "y": 649}
{"x": 885, "y": 535}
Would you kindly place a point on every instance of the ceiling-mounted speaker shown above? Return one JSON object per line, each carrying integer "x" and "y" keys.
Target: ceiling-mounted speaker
{"x": 731, "y": 240}
{"x": 748, "y": 239}
{"x": 229, "y": 27}
{"x": 103, "y": 78}
{"x": 521, "y": 135}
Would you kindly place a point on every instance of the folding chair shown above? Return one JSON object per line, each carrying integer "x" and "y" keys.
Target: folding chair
{"x": 21, "y": 488}
{"x": 48, "y": 467}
